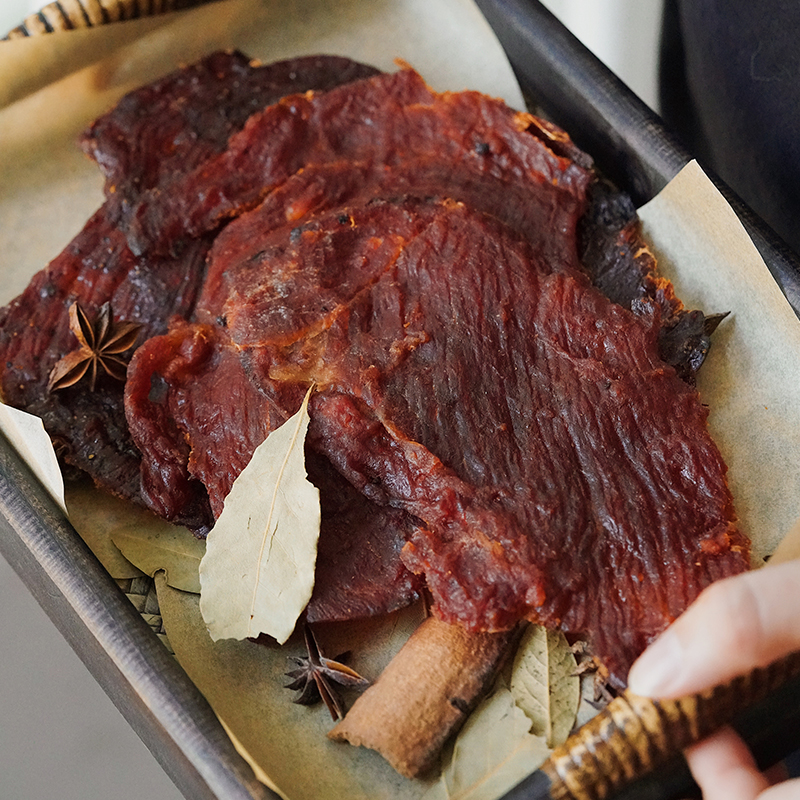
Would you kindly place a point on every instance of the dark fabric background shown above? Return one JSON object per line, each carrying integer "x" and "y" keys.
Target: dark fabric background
{"x": 730, "y": 87}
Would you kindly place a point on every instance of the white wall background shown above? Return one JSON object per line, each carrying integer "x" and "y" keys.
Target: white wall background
{"x": 624, "y": 34}
{"x": 12, "y": 12}
{"x": 60, "y": 736}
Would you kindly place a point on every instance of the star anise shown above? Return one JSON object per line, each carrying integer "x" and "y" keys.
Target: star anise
{"x": 101, "y": 344}
{"x": 315, "y": 676}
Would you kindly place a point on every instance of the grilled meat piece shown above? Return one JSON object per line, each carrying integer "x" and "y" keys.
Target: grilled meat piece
{"x": 486, "y": 423}
{"x": 556, "y": 467}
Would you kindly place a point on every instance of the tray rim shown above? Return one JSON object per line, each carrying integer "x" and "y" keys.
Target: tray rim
{"x": 630, "y": 144}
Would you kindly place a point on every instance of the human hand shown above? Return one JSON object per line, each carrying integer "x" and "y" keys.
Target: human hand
{"x": 735, "y": 625}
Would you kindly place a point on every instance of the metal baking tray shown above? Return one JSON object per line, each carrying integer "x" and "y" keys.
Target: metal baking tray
{"x": 120, "y": 650}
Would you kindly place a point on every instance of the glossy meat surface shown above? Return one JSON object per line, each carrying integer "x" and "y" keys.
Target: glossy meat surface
{"x": 522, "y": 418}
{"x": 382, "y": 121}
{"x": 161, "y": 131}
{"x": 89, "y": 428}
{"x": 486, "y": 423}
{"x": 525, "y": 419}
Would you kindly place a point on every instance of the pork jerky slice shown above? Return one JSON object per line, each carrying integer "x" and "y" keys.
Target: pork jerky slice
{"x": 89, "y": 428}
{"x": 561, "y": 470}
{"x": 157, "y": 133}
{"x": 392, "y": 136}
{"x": 151, "y": 137}
{"x": 382, "y": 121}
{"x": 200, "y": 418}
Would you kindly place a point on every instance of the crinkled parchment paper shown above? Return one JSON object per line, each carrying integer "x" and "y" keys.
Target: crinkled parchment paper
{"x": 751, "y": 378}
{"x": 52, "y": 86}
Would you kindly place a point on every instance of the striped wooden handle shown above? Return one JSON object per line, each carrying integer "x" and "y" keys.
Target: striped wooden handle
{"x": 633, "y": 735}
{"x": 64, "y": 15}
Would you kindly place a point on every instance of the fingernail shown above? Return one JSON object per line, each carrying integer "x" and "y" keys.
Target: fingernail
{"x": 657, "y": 668}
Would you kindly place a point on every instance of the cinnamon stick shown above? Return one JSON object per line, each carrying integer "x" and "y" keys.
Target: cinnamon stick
{"x": 424, "y": 695}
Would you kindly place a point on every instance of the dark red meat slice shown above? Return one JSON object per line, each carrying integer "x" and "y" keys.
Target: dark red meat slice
{"x": 496, "y": 424}
{"x": 384, "y": 120}
{"x": 157, "y": 133}
{"x": 199, "y": 418}
{"x": 360, "y": 571}
{"x": 559, "y": 469}
{"x": 148, "y": 140}
{"x": 89, "y": 428}
{"x": 180, "y": 356}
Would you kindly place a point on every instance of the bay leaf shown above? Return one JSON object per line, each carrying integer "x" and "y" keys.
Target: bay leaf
{"x": 543, "y": 684}
{"x": 26, "y": 433}
{"x": 258, "y": 570}
{"x": 96, "y": 515}
{"x": 493, "y": 752}
{"x": 159, "y": 546}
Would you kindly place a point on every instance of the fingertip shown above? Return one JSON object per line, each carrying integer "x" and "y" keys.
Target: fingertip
{"x": 658, "y": 669}
{"x": 724, "y": 768}
{"x": 734, "y": 626}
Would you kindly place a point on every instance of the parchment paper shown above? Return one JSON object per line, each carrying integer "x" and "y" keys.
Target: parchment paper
{"x": 751, "y": 379}
{"x": 51, "y": 87}
{"x": 243, "y": 682}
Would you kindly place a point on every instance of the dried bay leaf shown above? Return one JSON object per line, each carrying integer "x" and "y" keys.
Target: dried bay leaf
{"x": 258, "y": 570}
{"x": 159, "y": 546}
{"x": 96, "y": 515}
{"x": 543, "y": 684}
{"x": 27, "y": 436}
{"x": 493, "y": 752}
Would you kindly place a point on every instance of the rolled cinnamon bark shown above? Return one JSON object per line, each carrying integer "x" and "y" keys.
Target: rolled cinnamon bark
{"x": 424, "y": 695}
